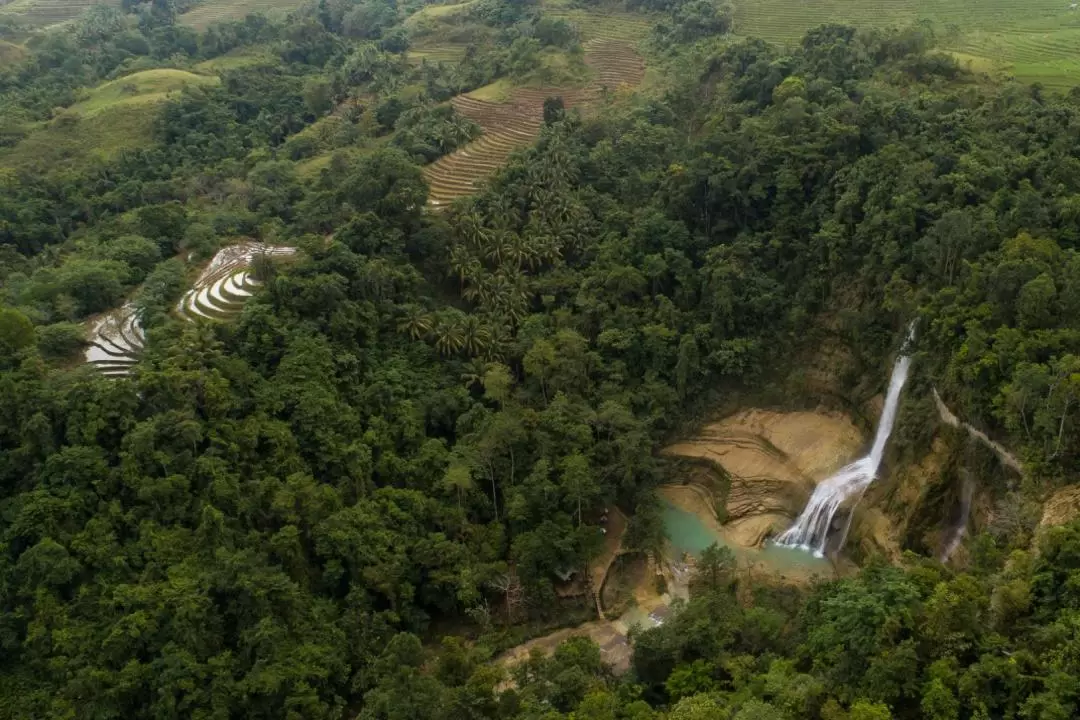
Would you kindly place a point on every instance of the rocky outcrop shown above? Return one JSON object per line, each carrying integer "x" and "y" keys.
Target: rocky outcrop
{"x": 771, "y": 462}
{"x": 1062, "y": 507}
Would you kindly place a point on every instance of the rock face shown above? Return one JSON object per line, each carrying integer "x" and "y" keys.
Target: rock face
{"x": 1062, "y": 507}
{"x": 771, "y": 461}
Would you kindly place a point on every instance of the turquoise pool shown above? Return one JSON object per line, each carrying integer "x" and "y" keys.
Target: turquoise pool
{"x": 688, "y": 534}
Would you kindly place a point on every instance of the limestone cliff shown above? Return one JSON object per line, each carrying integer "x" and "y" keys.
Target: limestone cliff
{"x": 767, "y": 463}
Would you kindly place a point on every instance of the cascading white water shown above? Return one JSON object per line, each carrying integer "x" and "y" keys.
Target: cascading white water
{"x": 811, "y": 530}
{"x": 960, "y": 529}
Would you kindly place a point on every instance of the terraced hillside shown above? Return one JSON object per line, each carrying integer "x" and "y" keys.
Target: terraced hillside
{"x": 227, "y": 282}
{"x": 516, "y": 123}
{"x": 1035, "y": 40}
{"x": 115, "y": 341}
{"x": 611, "y": 25}
{"x": 211, "y": 11}
{"x": 50, "y": 12}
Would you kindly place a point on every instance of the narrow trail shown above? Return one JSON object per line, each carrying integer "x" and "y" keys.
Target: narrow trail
{"x": 511, "y": 125}
{"x": 598, "y": 571}
{"x": 947, "y": 417}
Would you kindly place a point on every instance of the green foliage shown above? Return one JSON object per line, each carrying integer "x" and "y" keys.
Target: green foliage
{"x": 61, "y": 341}
{"x": 16, "y": 331}
{"x": 429, "y": 132}
{"x": 417, "y": 426}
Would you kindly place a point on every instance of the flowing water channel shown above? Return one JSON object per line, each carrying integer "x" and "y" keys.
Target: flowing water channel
{"x": 811, "y": 530}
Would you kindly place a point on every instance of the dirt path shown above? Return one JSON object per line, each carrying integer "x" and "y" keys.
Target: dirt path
{"x": 598, "y": 570}
{"x": 610, "y": 636}
{"x": 947, "y": 417}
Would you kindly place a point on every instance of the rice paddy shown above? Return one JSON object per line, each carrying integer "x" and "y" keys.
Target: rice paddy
{"x": 227, "y": 282}
{"x": 511, "y": 118}
{"x": 207, "y": 13}
{"x": 50, "y": 12}
{"x": 115, "y": 341}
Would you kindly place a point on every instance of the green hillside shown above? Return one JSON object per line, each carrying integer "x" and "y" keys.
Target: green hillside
{"x": 111, "y": 117}
{"x": 539, "y": 360}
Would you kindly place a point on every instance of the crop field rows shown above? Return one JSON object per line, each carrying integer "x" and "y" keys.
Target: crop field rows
{"x": 205, "y": 14}
{"x": 115, "y": 342}
{"x": 515, "y": 124}
{"x": 625, "y": 27}
{"x": 50, "y": 12}
{"x": 227, "y": 282}
{"x": 1035, "y": 40}
{"x": 445, "y": 52}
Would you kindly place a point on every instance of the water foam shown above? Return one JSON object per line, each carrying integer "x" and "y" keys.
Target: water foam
{"x": 810, "y": 531}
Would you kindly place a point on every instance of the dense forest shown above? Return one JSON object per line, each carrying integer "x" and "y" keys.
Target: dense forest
{"x": 348, "y": 501}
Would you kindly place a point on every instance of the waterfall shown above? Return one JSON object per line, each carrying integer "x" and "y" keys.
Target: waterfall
{"x": 960, "y": 529}
{"x": 811, "y": 530}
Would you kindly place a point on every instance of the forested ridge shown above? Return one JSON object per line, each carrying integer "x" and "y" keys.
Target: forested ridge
{"x": 348, "y": 500}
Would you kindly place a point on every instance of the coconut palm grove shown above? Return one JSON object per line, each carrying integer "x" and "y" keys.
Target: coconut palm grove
{"x": 539, "y": 360}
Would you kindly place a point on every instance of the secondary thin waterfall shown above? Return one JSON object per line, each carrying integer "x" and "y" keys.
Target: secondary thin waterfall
{"x": 811, "y": 530}
{"x": 960, "y": 529}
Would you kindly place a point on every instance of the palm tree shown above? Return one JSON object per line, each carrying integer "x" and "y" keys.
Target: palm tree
{"x": 502, "y": 213}
{"x": 474, "y": 373}
{"x": 510, "y": 296}
{"x": 498, "y": 247}
{"x": 448, "y": 336}
{"x": 470, "y": 228}
{"x": 416, "y": 323}
{"x": 474, "y": 336}
{"x": 479, "y": 291}
{"x": 464, "y": 263}
{"x": 501, "y": 336}
{"x": 521, "y": 251}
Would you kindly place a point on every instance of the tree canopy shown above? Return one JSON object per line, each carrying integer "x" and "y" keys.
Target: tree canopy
{"x": 349, "y": 500}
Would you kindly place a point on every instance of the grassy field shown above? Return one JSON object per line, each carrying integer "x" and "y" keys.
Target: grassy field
{"x": 1035, "y": 40}
{"x": 111, "y": 117}
{"x": 149, "y": 86}
{"x": 437, "y": 13}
